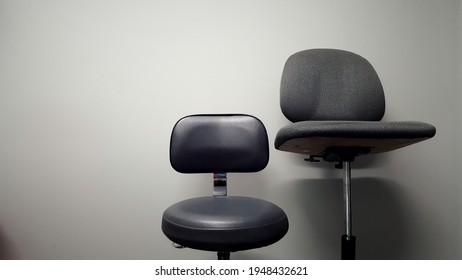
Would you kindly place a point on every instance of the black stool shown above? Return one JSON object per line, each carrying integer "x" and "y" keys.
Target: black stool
{"x": 220, "y": 144}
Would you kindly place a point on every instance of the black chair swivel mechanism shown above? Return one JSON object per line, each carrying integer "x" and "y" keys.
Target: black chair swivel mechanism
{"x": 220, "y": 144}
{"x": 335, "y": 100}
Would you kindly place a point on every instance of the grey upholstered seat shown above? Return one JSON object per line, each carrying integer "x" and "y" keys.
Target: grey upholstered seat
{"x": 219, "y": 144}
{"x": 335, "y": 100}
{"x": 313, "y": 137}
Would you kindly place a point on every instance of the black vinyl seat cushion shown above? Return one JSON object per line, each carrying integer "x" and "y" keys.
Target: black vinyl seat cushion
{"x": 314, "y": 137}
{"x": 224, "y": 223}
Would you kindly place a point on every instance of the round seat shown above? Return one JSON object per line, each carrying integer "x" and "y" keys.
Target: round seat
{"x": 224, "y": 223}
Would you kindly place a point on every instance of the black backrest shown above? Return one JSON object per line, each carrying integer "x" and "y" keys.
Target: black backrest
{"x": 219, "y": 143}
{"x": 329, "y": 84}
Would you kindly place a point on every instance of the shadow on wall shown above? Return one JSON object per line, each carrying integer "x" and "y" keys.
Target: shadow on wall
{"x": 378, "y": 220}
{"x": 7, "y": 251}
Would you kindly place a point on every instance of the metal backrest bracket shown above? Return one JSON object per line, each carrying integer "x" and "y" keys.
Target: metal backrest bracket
{"x": 219, "y": 184}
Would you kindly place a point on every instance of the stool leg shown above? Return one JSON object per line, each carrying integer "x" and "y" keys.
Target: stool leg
{"x": 348, "y": 240}
{"x": 223, "y": 255}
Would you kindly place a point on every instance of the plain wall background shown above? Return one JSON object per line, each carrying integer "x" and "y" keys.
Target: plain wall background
{"x": 89, "y": 92}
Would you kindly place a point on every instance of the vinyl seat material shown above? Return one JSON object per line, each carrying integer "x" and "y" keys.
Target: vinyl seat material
{"x": 221, "y": 144}
{"x": 224, "y": 223}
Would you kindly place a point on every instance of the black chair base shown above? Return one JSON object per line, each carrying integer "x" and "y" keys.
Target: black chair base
{"x": 348, "y": 247}
{"x": 223, "y": 255}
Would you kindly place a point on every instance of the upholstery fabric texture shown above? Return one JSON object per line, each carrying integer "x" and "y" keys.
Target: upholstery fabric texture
{"x": 329, "y": 84}
{"x": 334, "y": 97}
{"x": 352, "y": 129}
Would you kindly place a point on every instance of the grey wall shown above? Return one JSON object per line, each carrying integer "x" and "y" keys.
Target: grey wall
{"x": 89, "y": 91}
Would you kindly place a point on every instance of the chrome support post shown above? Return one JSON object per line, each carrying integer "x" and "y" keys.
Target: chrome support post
{"x": 347, "y": 197}
{"x": 219, "y": 184}
{"x": 220, "y": 189}
{"x": 348, "y": 240}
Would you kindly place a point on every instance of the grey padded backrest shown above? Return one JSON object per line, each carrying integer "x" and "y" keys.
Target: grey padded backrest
{"x": 329, "y": 84}
{"x": 219, "y": 143}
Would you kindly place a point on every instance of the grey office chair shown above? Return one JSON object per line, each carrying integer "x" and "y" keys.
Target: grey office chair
{"x": 220, "y": 144}
{"x": 335, "y": 100}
